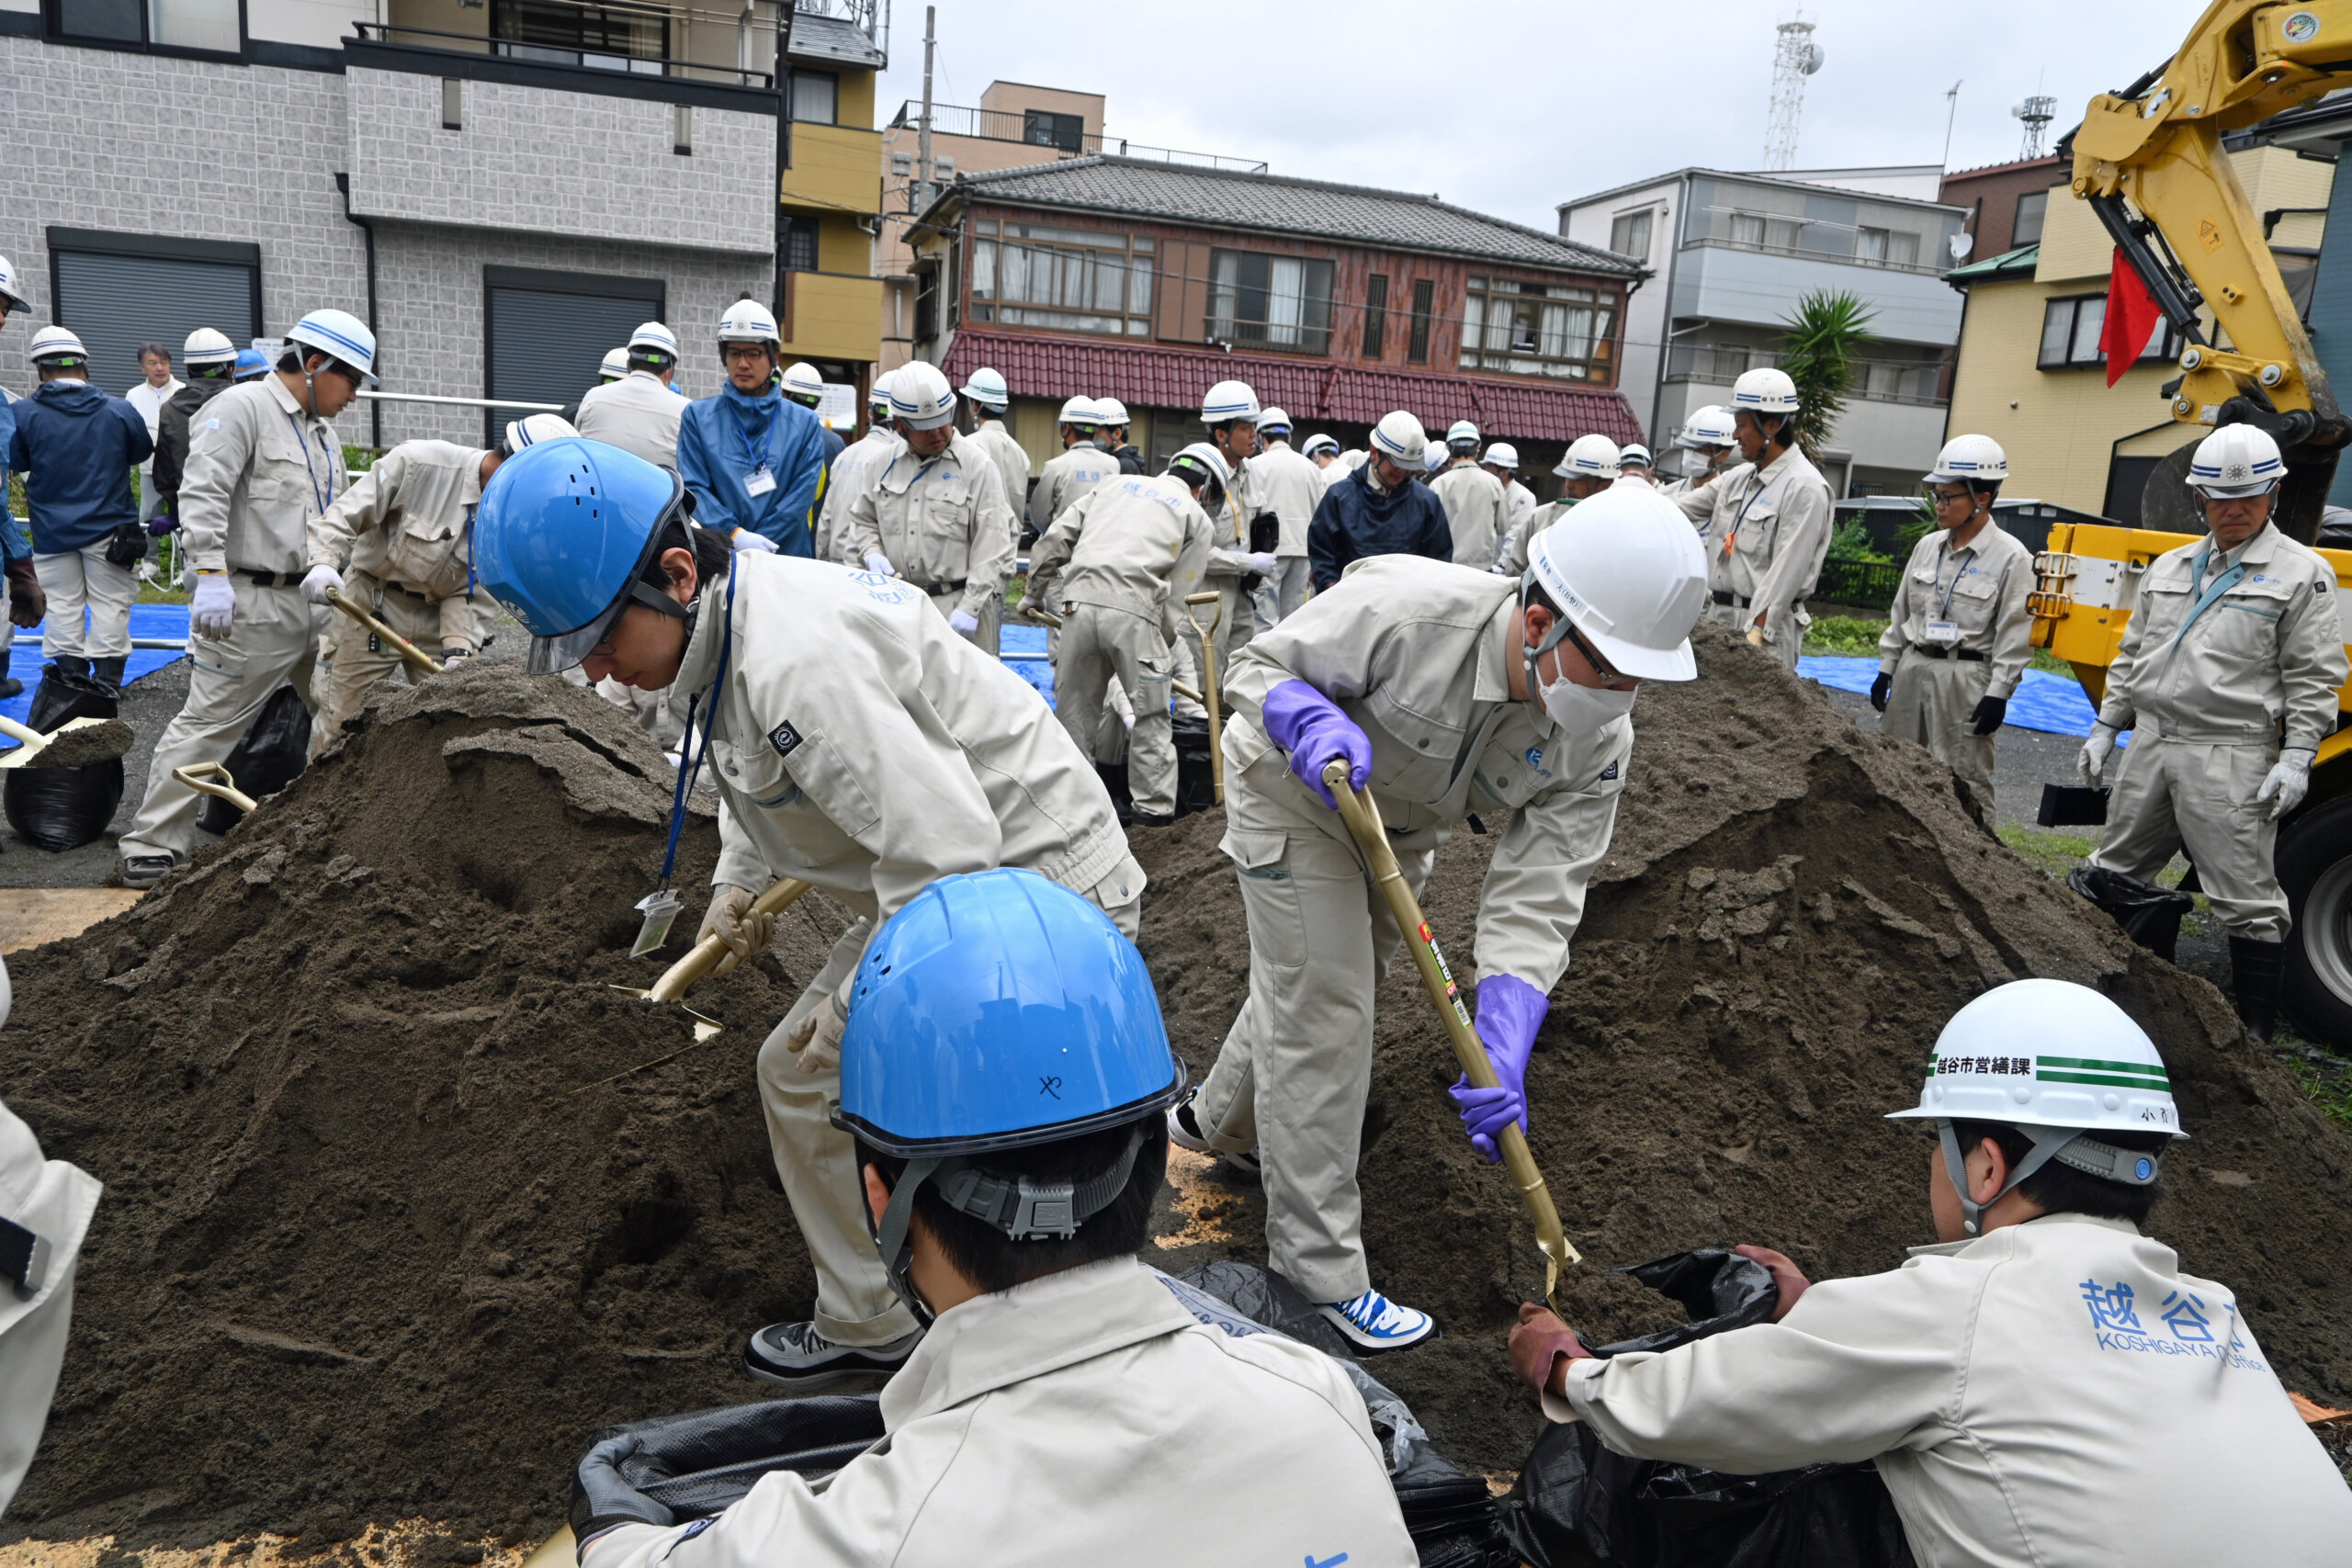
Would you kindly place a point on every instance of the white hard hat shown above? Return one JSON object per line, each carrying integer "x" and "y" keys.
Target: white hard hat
{"x": 652, "y": 337}
{"x": 1274, "y": 419}
{"x": 1978, "y": 458}
{"x": 341, "y": 336}
{"x": 1461, "y": 433}
{"x": 53, "y": 343}
{"x": 1500, "y": 455}
{"x": 615, "y": 365}
{"x": 1208, "y": 457}
{"x": 1709, "y": 426}
{"x": 801, "y": 380}
{"x": 880, "y": 397}
{"x": 206, "y": 346}
{"x": 1765, "y": 391}
{"x": 1628, "y": 572}
{"x": 1400, "y": 438}
{"x": 921, "y": 398}
{"x": 748, "y": 320}
{"x": 1319, "y": 444}
{"x": 533, "y": 428}
{"x": 1081, "y": 411}
{"x": 1636, "y": 454}
{"x": 1436, "y": 457}
{"x": 1229, "y": 400}
{"x": 1112, "y": 410}
{"x": 1590, "y": 456}
{"x": 2235, "y": 460}
{"x": 10, "y": 289}
{"x": 986, "y": 388}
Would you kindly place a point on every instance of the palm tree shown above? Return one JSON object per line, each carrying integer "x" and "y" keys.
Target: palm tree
{"x": 1821, "y": 351}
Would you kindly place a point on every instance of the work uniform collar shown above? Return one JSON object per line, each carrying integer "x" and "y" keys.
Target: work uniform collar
{"x": 286, "y": 399}
{"x": 907, "y": 467}
{"x": 1955, "y": 1249}
{"x": 650, "y": 375}
{"x": 700, "y": 666}
{"x": 1492, "y": 680}
{"x": 469, "y": 483}
{"x": 1010, "y": 1337}
{"x": 2257, "y": 551}
{"x": 1766, "y": 474}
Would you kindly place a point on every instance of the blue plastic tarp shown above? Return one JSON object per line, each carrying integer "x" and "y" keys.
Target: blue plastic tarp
{"x": 1023, "y": 650}
{"x": 2049, "y": 703}
{"x": 146, "y": 621}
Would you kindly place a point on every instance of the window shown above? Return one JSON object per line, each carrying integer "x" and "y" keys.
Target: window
{"x": 1562, "y": 331}
{"x": 1375, "y": 316}
{"x": 682, "y": 135}
{"x": 1747, "y": 229}
{"x": 545, "y": 332}
{"x": 453, "y": 103}
{"x": 2069, "y": 333}
{"x": 555, "y": 33}
{"x": 1416, "y": 347}
{"x": 120, "y": 290}
{"x": 1073, "y": 280}
{"x": 2032, "y": 207}
{"x": 1042, "y": 127}
{"x": 1882, "y": 246}
{"x": 1630, "y": 234}
{"x": 796, "y": 243}
{"x": 208, "y": 26}
{"x": 1268, "y": 301}
{"x": 816, "y": 96}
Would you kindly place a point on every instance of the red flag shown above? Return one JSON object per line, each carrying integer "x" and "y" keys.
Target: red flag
{"x": 2132, "y": 318}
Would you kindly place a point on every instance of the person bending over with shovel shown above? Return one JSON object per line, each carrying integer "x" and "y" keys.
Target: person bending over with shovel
{"x": 1450, "y": 690}
{"x": 857, "y": 743}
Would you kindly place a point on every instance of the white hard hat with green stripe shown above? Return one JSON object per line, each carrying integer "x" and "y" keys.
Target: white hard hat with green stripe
{"x": 2060, "y": 1062}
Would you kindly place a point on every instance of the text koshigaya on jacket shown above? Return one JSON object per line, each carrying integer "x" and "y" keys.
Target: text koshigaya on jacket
{"x": 75, "y": 447}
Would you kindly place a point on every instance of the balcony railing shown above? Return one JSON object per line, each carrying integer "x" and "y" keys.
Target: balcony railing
{"x": 1003, "y": 125}
{"x": 1766, "y": 247}
{"x": 580, "y": 59}
{"x": 1908, "y": 381}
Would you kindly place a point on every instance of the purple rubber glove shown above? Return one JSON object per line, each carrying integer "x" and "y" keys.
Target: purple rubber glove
{"x": 1310, "y": 727}
{"x": 162, "y": 524}
{"x": 1509, "y": 1012}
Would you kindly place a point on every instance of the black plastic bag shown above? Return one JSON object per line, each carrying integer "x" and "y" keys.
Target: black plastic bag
{"x": 697, "y": 1463}
{"x": 272, "y": 753}
{"x": 2150, "y": 915}
{"x": 63, "y": 808}
{"x": 1195, "y": 785}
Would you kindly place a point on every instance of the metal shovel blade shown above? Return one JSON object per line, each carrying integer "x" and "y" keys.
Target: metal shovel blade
{"x": 32, "y": 742}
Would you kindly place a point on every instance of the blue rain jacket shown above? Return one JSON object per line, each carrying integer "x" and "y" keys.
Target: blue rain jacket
{"x": 1355, "y": 521}
{"x": 76, "y": 447}
{"x": 15, "y": 545}
{"x": 722, "y": 441}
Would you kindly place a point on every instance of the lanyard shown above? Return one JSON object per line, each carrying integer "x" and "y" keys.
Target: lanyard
{"x": 750, "y": 451}
{"x": 2206, "y": 600}
{"x": 687, "y": 773}
{"x": 1943, "y": 610}
{"x": 303, "y": 439}
{"x": 1733, "y": 538}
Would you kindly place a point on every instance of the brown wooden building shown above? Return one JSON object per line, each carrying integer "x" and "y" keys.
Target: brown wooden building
{"x": 1149, "y": 282}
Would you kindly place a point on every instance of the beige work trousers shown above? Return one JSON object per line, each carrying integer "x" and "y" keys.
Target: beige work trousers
{"x": 1280, "y": 593}
{"x": 818, "y": 1161}
{"x": 353, "y": 666}
{"x": 2198, "y": 797}
{"x": 1783, "y": 635}
{"x": 992, "y": 616}
{"x": 1100, "y": 644}
{"x": 273, "y": 640}
{"x": 1934, "y": 704}
{"x": 1295, "y": 1068}
{"x": 75, "y": 580}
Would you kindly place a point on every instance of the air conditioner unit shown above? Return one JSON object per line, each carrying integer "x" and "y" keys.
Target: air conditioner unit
{"x": 943, "y": 168}
{"x": 902, "y": 163}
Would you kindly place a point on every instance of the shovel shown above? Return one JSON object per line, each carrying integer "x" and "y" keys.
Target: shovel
{"x": 79, "y": 753}
{"x": 411, "y": 655}
{"x": 1363, "y": 818}
{"x": 705, "y": 957}
{"x": 214, "y": 778}
{"x": 1207, "y": 696}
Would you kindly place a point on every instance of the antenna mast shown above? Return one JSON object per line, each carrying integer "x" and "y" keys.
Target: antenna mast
{"x": 2037, "y": 112}
{"x": 1796, "y": 58}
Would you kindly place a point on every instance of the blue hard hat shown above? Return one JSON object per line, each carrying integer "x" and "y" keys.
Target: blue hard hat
{"x": 563, "y": 529}
{"x": 996, "y": 1011}
{"x": 251, "y": 363}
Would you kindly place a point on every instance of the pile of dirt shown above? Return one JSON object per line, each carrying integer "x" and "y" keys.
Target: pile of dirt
{"x": 1789, "y": 911}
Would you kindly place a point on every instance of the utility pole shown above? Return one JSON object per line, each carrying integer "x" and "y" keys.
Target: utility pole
{"x": 922, "y": 137}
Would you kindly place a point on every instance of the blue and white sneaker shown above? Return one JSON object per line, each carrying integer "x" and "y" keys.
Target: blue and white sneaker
{"x": 1373, "y": 1322}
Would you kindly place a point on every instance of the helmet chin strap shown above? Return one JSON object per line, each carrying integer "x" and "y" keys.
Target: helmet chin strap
{"x": 2069, "y": 1146}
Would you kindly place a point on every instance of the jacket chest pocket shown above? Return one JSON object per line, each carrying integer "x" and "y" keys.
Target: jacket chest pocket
{"x": 2244, "y": 624}
{"x": 1754, "y": 528}
{"x": 1974, "y": 600}
{"x": 757, "y": 772}
{"x": 2162, "y": 608}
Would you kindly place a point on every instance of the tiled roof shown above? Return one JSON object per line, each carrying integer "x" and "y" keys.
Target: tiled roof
{"x": 834, "y": 39}
{"x": 1230, "y": 200}
{"x": 1044, "y": 366}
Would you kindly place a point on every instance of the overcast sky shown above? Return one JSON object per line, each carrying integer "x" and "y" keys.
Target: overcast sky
{"x": 1510, "y": 106}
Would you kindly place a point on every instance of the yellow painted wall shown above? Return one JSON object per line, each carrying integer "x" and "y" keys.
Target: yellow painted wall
{"x": 833, "y": 166}
{"x": 853, "y": 105}
{"x": 834, "y": 318}
{"x": 1033, "y": 426}
{"x": 843, "y": 246}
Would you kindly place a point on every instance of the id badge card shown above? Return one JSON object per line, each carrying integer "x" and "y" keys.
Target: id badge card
{"x": 658, "y": 909}
{"x": 759, "y": 481}
{"x": 1943, "y": 634}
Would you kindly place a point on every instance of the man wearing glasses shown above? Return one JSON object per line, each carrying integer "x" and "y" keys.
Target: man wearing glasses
{"x": 752, "y": 456}
{"x": 1955, "y": 645}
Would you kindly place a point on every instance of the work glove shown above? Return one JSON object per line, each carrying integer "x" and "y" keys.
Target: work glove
{"x": 320, "y": 582}
{"x": 733, "y": 921}
{"x": 1310, "y": 727}
{"x": 163, "y": 523}
{"x": 1540, "y": 1343}
{"x": 28, "y": 604}
{"x": 818, "y": 1041}
{"x": 750, "y": 541}
{"x": 1788, "y": 1279}
{"x": 1880, "y": 690}
{"x": 1990, "y": 712}
{"x": 602, "y": 1497}
{"x": 1509, "y": 1012}
{"x": 965, "y": 624}
{"x": 213, "y": 607}
{"x": 1265, "y": 563}
{"x": 2287, "y": 783}
{"x": 2093, "y": 762}
{"x": 879, "y": 564}
{"x": 1756, "y": 636}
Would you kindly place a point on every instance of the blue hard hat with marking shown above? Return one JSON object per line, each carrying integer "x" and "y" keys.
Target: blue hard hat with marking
{"x": 996, "y": 1011}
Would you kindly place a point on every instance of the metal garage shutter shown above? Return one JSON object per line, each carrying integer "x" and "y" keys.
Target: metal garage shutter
{"x": 113, "y": 304}
{"x": 548, "y": 332}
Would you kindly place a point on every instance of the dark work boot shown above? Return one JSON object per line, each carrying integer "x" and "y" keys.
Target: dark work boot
{"x": 9, "y": 687}
{"x": 72, "y": 664}
{"x": 2257, "y": 974}
{"x": 108, "y": 673}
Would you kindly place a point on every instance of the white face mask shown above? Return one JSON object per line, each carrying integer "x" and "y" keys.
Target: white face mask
{"x": 1581, "y": 710}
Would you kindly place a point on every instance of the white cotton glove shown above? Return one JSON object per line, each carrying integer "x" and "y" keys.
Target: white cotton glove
{"x": 750, "y": 541}
{"x": 2288, "y": 783}
{"x": 879, "y": 564}
{"x": 323, "y": 580}
{"x": 1265, "y": 563}
{"x": 733, "y": 921}
{"x": 214, "y": 606}
{"x": 2093, "y": 762}
{"x": 1231, "y": 561}
{"x": 967, "y": 624}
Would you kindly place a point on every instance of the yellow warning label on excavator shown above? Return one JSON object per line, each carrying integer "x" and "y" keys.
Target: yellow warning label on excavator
{"x": 2209, "y": 233}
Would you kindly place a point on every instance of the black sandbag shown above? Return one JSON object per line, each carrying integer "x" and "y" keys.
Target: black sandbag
{"x": 274, "y": 751}
{"x": 1269, "y": 1301}
{"x": 1720, "y": 1291}
{"x": 697, "y": 1463}
{"x": 2149, "y": 914}
{"x": 1195, "y": 785}
{"x": 63, "y": 808}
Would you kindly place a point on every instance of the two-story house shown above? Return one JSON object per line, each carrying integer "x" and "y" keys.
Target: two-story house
{"x": 504, "y": 189}
{"x": 1149, "y": 281}
{"x": 1736, "y": 252}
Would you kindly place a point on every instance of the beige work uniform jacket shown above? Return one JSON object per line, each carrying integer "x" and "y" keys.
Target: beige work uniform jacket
{"x": 852, "y": 476}
{"x": 862, "y": 746}
{"x": 1011, "y": 462}
{"x": 258, "y": 470}
{"x": 1771, "y": 529}
{"x": 1081, "y": 1420}
{"x": 1510, "y": 556}
{"x": 2266, "y": 660}
{"x": 1067, "y": 477}
{"x": 408, "y": 522}
{"x": 635, "y": 413}
{"x": 944, "y": 522}
{"x": 2055, "y": 1393}
{"x": 1415, "y": 652}
{"x": 1133, "y": 543}
{"x": 1476, "y": 510}
{"x": 1980, "y": 589}
{"x": 1519, "y": 505}
{"x": 54, "y": 1200}
{"x": 1289, "y": 485}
